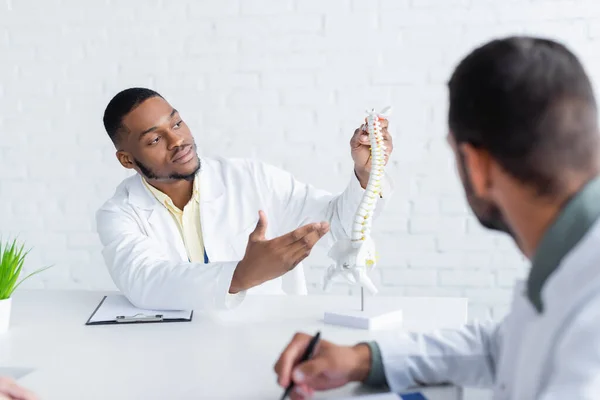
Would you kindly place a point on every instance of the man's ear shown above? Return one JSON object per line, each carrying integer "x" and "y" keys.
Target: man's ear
{"x": 477, "y": 163}
{"x": 125, "y": 159}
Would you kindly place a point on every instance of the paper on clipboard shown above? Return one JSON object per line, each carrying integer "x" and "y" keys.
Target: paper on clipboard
{"x": 116, "y": 308}
{"x": 389, "y": 396}
{"x": 15, "y": 373}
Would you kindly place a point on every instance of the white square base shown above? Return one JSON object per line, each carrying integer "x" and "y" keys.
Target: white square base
{"x": 370, "y": 320}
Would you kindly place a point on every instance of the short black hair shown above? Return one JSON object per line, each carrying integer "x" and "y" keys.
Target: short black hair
{"x": 529, "y": 102}
{"x": 121, "y": 105}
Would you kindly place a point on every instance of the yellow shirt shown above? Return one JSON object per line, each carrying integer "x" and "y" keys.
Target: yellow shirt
{"x": 188, "y": 220}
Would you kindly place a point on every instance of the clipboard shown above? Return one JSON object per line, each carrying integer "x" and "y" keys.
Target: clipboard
{"x": 118, "y": 310}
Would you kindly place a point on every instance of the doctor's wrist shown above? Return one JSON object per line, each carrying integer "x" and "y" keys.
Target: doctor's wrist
{"x": 237, "y": 281}
{"x": 362, "y": 363}
{"x": 362, "y": 175}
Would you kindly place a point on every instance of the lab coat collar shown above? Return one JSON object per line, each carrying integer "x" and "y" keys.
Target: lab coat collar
{"x": 210, "y": 185}
{"x": 140, "y": 196}
{"x": 571, "y": 225}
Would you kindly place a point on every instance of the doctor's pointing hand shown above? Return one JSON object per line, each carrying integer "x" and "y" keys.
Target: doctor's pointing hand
{"x": 268, "y": 259}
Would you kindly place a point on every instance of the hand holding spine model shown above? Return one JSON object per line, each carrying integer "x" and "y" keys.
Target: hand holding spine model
{"x": 354, "y": 256}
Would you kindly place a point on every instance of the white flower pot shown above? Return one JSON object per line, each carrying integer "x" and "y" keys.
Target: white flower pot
{"x": 5, "y": 307}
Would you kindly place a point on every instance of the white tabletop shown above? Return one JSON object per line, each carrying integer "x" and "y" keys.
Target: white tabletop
{"x": 218, "y": 356}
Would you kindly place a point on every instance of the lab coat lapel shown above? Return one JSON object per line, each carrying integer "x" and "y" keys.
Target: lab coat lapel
{"x": 516, "y": 321}
{"x": 163, "y": 228}
{"x": 166, "y": 229}
{"x": 214, "y": 219}
{"x": 535, "y": 336}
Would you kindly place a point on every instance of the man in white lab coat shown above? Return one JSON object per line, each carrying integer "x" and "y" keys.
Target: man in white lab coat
{"x": 191, "y": 233}
{"x": 523, "y": 127}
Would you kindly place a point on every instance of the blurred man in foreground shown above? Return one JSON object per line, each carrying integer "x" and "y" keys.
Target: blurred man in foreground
{"x": 523, "y": 129}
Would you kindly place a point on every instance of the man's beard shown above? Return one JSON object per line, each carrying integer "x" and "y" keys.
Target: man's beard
{"x": 149, "y": 174}
{"x": 488, "y": 214}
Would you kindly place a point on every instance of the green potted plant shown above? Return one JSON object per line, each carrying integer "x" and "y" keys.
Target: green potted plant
{"x": 12, "y": 258}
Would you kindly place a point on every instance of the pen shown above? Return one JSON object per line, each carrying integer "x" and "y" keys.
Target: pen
{"x": 305, "y": 357}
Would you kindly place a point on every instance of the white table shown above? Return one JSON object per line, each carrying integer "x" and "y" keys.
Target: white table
{"x": 217, "y": 356}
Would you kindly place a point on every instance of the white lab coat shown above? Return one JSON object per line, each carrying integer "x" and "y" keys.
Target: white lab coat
{"x": 146, "y": 256}
{"x": 548, "y": 356}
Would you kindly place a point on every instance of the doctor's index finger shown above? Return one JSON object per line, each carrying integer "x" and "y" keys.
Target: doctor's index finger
{"x": 383, "y": 123}
{"x": 361, "y": 134}
{"x": 387, "y": 137}
{"x": 299, "y": 234}
{"x": 309, "y": 240}
{"x": 358, "y": 133}
{"x": 301, "y": 249}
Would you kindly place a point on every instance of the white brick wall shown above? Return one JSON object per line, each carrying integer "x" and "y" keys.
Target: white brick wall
{"x": 283, "y": 80}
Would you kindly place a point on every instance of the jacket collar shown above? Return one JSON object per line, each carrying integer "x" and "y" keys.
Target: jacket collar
{"x": 571, "y": 225}
{"x": 210, "y": 186}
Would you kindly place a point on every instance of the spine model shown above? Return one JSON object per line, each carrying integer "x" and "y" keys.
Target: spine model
{"x": 355, "y": 255}
{"x": 363, "y": 219}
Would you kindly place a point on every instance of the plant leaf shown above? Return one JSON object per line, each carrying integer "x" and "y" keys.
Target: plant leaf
{"x": 30, "y": 275}
{"x": 12, "y": 259}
